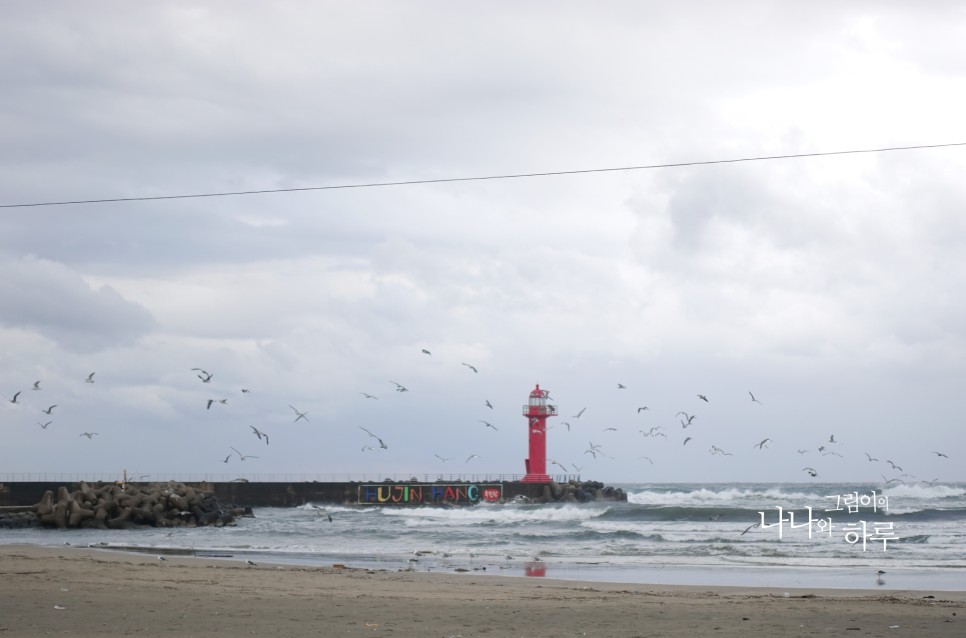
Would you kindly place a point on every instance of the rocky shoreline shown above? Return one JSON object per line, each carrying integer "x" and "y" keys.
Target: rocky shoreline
{"x": 125, "y": 506}
{"x": 579, "y": 492}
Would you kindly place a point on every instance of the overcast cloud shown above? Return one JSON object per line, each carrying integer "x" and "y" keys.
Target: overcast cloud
{"x": 830, "y": 287}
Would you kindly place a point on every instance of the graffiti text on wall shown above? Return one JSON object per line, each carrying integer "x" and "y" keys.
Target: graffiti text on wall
{"x": 429, "y": 493}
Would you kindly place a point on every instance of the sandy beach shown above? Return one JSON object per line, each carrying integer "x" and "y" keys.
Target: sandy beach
{"x": 85, "y": 592}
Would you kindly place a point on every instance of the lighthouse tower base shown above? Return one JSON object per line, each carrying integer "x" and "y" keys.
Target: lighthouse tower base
{"x": 534, "y": 478}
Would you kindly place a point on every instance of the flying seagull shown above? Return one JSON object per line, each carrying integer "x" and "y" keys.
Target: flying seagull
{"x": 44, "y": 425}
{"x": 36, "y": 385}
{"x": 761, "y": 445}
{"x": 938, "y": 454}
{"x": 473, "y": 368}
{"x": 749, "y": 528}
{"x": 869, "y": 456}
{"x": 894, "y": 466}
{"x": 643, "y": 407}
{"x": 689, "y": 417}
{"x": 226, "y": 458}
{"x": 488, "y": 404}
{"x": 703, "y": 398}
{"x": 243, "y": 456}
{"x": 50, "y": 409}
{"x": 753, "y": 399}
{"x": 368, "y": 396}
{"x": 686, "y": 440}
{"x": 425, "y": 351}
{"x": 399, "y": 387}
{"x": 299, "y": 415}
{"x": 487, "y": 424}
{"x": 90, "y": 378}
{"x": 441, "y": 458}
{"x": 322, "y": 512}
{"x": 89, "y": 435}
{"x": 259, "y": 434}
{"x": 621, "y": 386}
{"x": 14, "y": 399}
{"x": 381, "y": 444}
{"x": 580, "y": 414}
{"x": 471, "y": 457}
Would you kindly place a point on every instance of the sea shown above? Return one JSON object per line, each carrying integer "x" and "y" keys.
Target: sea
{"x": 811, "y": 536}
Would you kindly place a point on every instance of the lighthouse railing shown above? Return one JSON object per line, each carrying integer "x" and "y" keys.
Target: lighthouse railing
{"x": 539, "y": 410}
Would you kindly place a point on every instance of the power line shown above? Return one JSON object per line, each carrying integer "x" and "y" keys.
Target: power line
{"x": 444, "y": 180}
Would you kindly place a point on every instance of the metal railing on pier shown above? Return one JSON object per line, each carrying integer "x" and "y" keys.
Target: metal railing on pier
{"x": 203, "y": 477}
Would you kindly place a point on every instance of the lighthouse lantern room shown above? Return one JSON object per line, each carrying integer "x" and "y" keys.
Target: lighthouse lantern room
{"x": 537, "y": 410}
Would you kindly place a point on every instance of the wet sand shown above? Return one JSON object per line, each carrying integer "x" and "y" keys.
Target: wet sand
{"x": 71, "y": 591}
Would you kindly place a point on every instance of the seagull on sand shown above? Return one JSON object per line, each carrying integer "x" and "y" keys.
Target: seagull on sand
{"x": 473, "y": 368}
{"x": 753, "y": 399}
{"x": 90, "y": 378}
{"x": 381, "y": 444}
{"x": 50, "y": 409}
{"x": 14, "y": 399}
{"x": 89, "y": 435}
{"x": 250, "y": 563}
{"x": 161, "y": 558}
{"x": 298, "y": 415}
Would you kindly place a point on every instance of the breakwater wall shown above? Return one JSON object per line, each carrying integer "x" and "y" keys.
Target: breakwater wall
{"x": 292, "y": 494}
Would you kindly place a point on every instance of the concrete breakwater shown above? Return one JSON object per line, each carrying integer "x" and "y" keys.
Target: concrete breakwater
{"x": 116, "y": 506}
{"x": 112, "y": 506}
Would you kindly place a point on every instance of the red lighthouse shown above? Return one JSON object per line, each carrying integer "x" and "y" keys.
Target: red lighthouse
{"x": 537, "y": 412}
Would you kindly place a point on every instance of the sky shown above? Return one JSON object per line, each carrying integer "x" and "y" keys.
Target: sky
{"x": 829, "y": 288}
